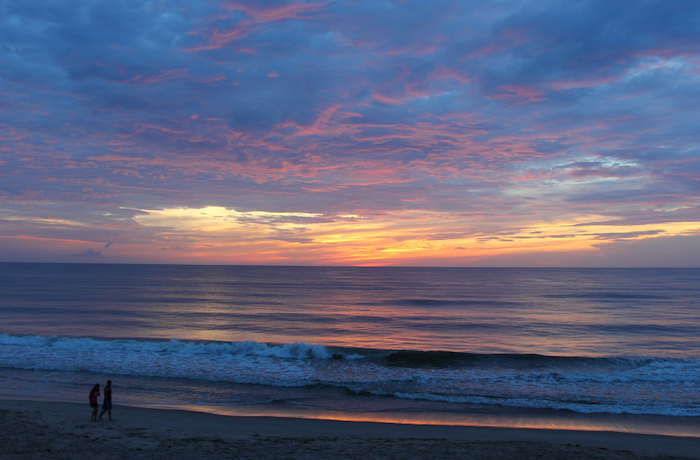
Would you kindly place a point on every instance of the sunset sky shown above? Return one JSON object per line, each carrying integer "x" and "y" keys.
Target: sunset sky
{"x": 423, "y": 133}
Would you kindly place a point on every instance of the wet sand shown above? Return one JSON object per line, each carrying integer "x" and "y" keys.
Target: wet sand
{"x": 64, "y": 430}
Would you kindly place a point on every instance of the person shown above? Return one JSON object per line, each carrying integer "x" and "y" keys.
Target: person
{"x": 107, "y": 403}
{"x": 94, "y": 394}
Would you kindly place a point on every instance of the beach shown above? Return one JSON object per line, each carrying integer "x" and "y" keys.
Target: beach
{"x": 64, "y": 430}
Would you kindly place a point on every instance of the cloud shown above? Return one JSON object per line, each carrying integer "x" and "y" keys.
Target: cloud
{"x": 489, "y": 112}
{"x": 88, "y": 253}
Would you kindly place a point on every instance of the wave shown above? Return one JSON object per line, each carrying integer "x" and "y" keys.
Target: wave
{"x": 448, "y": 359}
{"x": 305, "y": 351}
{"x": 665, "y": 386}
{"x": 246, "y": 348}
{"x": 424, "y": 302}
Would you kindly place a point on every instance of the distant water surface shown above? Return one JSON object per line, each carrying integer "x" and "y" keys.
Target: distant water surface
{"x": 476, "y": 340}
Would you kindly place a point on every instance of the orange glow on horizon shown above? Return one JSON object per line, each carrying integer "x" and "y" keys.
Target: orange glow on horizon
{"x": 219, "y": 235}
{"x": 216, "y": 235}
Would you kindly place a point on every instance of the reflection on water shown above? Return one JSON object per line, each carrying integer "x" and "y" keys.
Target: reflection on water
{"x": 668, "y": 426}
{"x": 566, "y": 312}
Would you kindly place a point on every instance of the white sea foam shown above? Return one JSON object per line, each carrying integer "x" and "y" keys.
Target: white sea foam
{"x": 645, "y": 385}
{"x": 240, "y": 362}
{"x": 289, "y": 350}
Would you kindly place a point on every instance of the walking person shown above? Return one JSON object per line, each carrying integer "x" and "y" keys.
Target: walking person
{"x": 107, "y": 403}
{"x": 94, "y": 394}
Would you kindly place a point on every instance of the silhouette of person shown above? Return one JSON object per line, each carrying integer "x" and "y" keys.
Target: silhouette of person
{"x": 107, "y": 403}
{"x": 94, "y": 394}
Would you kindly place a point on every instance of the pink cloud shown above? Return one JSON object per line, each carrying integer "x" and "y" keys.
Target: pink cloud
{"x": 165, "y": 75}
{"x": 584, "y": 82}
{"x": 387, "y": 99}
{"x": 518, "y": 93}
{"x": 445, "y": 73}
{"x": 258, "y": 14}
{"x": 507, "y": 39}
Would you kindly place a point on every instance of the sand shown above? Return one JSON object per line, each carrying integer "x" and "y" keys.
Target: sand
{"x": 32, "y": 430}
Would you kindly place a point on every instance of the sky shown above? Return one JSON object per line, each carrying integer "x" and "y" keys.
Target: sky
{"x": 366, "y": 133}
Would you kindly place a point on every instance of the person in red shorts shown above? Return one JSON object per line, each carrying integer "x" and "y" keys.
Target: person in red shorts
{"x": 94, "y": 394}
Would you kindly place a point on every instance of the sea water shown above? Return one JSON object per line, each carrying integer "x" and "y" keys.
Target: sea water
{"x": 418, "y": 344}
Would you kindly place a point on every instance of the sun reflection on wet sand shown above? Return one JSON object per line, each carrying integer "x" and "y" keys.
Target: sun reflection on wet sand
{"x": 622, "y": 423}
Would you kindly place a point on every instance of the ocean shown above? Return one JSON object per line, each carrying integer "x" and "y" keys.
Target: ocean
{"x": 593, "y": 348}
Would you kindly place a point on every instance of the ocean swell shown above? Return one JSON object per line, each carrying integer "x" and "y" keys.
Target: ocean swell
{"x": 639, "y": 385}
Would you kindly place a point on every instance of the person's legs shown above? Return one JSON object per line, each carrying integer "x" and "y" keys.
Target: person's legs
{"x": 107, "y": 407}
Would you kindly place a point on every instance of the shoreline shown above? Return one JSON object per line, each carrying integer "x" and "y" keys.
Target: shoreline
{"x": 66, "y": 427}
{"x": 552, "y": 420}
{"x": 645, "y": 424}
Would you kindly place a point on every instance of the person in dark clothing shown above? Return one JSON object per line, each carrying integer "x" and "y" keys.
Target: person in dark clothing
{"x": 107, "y": 403}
